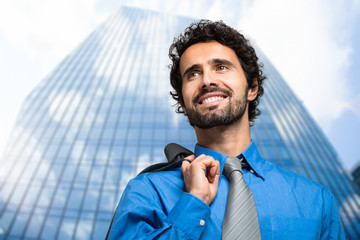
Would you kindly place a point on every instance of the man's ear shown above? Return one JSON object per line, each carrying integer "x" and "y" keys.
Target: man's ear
{"x": 252, "y": 93}
{"x": 182, "y": 107}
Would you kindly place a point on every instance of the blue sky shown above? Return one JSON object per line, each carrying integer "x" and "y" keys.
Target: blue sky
{"x": 315, "y": 45}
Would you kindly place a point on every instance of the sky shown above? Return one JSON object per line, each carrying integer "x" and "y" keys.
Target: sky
{"x": 314, "y": 44}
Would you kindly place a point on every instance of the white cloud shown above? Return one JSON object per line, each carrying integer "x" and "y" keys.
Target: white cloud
{"x": 39, "y": 24}
{"x": 35, "y": 36}
{"x": 354, "y": 105}
{"x": 309, "y": 43}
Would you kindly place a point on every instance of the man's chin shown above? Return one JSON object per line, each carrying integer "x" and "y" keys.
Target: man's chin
{"x": 207, "y": 121}
{"x": 207, "y": 110}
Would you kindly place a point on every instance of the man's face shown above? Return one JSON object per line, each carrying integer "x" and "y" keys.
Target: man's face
{"x": 214, "y": 85}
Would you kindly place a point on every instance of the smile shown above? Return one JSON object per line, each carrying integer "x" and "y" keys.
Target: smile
{"x": 212, "y": 96}
{"x": 211, "y": 99}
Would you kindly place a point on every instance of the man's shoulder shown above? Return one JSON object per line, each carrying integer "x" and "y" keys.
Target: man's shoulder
{"x": 295, "y": 191}
{"x": 296, "y": 181}
{"x": 174, "y": 172}
{"x": 160, "y": 179}
{"x": 156, "y": 186}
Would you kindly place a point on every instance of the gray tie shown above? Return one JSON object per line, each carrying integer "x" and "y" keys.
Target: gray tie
{"x": 241, "y": 220}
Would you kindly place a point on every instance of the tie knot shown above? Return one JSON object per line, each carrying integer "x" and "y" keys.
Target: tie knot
{"x": 232, "y": 164}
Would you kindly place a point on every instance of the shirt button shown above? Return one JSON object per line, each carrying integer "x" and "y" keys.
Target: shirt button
{"x": 202, "y": 222}
{"x": 252, "y": 171}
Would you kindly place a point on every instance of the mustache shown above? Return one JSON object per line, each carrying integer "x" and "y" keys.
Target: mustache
{"x": 205, "y": 91}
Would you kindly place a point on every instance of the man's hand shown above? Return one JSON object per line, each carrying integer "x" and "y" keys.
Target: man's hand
{"x": 197, "y": 183}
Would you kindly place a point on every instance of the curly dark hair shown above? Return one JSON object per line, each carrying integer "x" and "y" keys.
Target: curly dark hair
{"x": 206, "y": 31}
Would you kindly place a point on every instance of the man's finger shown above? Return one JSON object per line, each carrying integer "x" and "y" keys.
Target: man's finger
{"x": 186, "y": 162}
{"x": 190, "y": 157}
{"x": 213, "y": 170}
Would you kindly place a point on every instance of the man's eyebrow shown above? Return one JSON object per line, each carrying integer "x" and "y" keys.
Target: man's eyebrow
{"x": 189, "y": 69}
{"x": 212, "y": 61}
{"x": 222, "y": 61}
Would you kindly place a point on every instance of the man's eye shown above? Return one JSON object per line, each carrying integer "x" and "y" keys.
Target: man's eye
{"x": 221, "y": 67}
{"x": 193, "y": 74}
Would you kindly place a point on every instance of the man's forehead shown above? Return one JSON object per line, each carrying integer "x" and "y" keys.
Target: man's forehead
{"x": 206, "y": 53}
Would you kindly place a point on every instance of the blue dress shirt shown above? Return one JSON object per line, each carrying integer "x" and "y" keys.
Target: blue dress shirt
{"x": 289, "y": 206}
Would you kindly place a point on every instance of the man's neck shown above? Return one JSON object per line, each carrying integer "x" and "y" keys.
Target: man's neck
{"x": 229, "y": 140}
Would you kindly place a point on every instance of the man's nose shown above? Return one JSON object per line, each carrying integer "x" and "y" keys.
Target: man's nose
{"x": 209, "y": 80}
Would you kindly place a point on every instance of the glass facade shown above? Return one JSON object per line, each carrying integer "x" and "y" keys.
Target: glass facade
{"x": 105, "y": 113}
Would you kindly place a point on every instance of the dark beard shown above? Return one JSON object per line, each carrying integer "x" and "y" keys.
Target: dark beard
{"x": 226, "y": 116}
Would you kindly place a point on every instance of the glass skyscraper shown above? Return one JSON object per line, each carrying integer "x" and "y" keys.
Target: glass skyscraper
{"x": 105, "y": 113}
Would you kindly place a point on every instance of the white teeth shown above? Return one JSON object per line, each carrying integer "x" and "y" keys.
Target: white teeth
{"x": 212, "y": 99}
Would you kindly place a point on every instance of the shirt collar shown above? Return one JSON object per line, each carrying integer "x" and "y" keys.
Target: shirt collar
{"x": 251, "y": 154}
{"x": 254, "y": 159}
{"x": 216, "y": 155}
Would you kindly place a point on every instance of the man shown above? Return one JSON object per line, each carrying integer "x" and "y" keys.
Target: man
{"x": 217, "y": 82}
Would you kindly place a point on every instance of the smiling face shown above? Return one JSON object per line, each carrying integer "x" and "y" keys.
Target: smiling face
{"x": 214, "y": 85}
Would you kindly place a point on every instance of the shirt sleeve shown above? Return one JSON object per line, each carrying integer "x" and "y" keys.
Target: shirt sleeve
{"x": 140, "y": 215}
{"x": 331, "y": 227}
